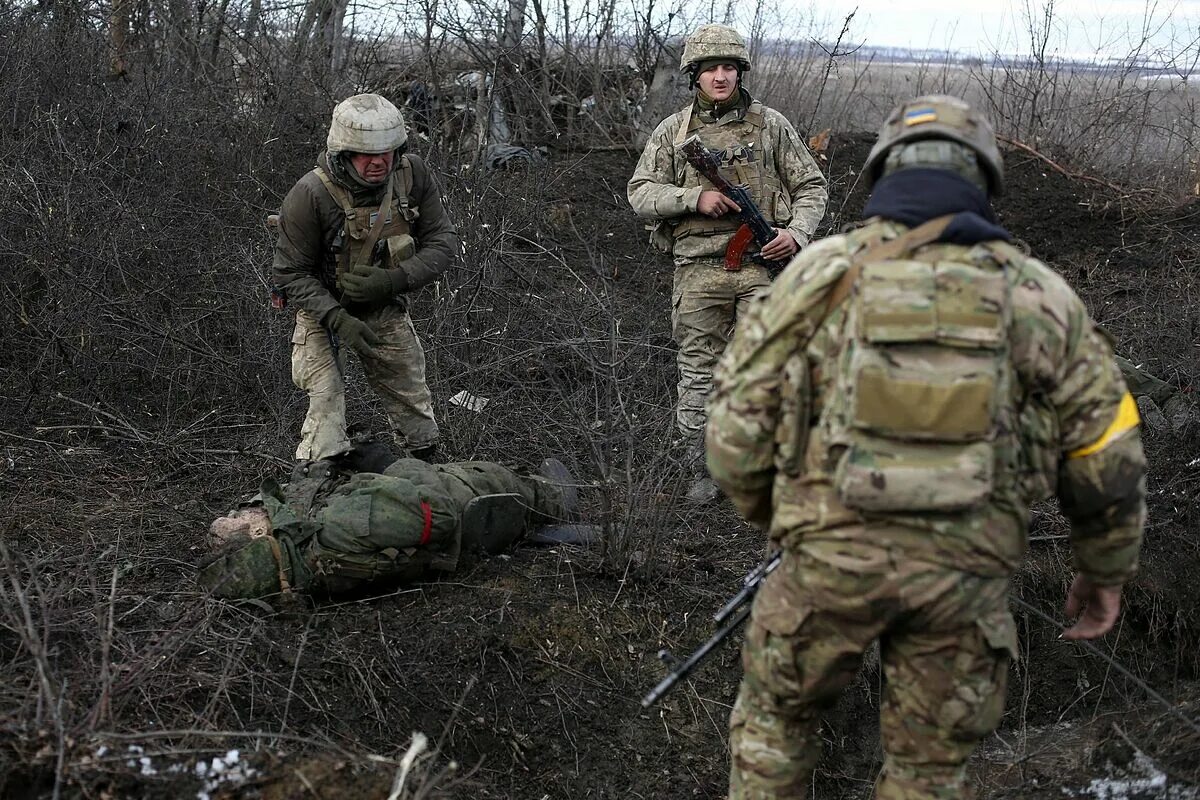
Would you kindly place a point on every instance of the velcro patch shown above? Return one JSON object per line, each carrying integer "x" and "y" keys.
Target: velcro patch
{"x": 919, "y": 116}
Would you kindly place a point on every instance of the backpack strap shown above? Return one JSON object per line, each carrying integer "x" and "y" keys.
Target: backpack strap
{"x": 338, "y": 193}
{"x": 346, "y": 203}
{"x": 368, "y": 247}
{"x": 926, "y": 233}
{"x": 406, "y": 181}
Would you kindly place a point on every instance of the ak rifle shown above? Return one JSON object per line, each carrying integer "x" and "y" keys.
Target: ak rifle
{"x": 755, "y": 227}
{"x": 730, "y": 617}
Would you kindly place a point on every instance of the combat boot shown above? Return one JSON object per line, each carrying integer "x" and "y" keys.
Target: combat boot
{"x": 554, "y": 475}
{"x": 430, "y": 454}
{"x": 703, "y": 489}
{"x": 558, "y": 477}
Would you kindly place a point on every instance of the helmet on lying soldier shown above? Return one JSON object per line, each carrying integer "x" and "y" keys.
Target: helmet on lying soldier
{"x": 941, "y": 132}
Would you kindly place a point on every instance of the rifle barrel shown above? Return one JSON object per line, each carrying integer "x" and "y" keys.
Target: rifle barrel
{"x": 680, "y": 672}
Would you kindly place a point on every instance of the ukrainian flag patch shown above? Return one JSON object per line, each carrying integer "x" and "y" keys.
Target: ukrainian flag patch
{"x": 920, "y": 115}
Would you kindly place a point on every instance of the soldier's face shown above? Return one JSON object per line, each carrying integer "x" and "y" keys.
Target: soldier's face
{"x": 718, "y": 82}
{"x": 372, "y": 167}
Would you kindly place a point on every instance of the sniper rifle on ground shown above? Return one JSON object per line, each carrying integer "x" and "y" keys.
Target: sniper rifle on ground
{"x": 755, "y": 227}
{"x": 731, "y": 615}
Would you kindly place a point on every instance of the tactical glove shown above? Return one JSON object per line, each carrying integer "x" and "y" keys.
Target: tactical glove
{"x": 368, "y": 284}
{"x": 353, "y": 331}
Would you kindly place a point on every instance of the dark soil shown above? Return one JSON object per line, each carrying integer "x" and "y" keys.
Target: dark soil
{"x": 526, "y": 670}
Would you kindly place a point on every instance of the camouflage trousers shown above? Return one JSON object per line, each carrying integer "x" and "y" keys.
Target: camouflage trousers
{"x": 946, "y": 642}
{"x": 706, "y": 301}
{"x": 396, "y": 374}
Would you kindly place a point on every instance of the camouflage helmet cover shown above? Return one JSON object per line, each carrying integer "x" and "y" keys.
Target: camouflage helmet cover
{"x": 366, "y": 123}
{"x": 939, "y": 116}
{"x": 711, "y": 42}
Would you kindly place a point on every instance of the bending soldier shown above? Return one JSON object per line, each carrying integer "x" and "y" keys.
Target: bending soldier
{"x": 888, "y": 411}
{"x": 333, "y": 530}
{"x": 362, "y": 228}
{"x": 758, "y": 148}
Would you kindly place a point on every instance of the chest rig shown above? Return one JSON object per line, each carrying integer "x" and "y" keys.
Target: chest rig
{"x": 739, "y": 144}
{"x": 922, "y": 384}
{"x": 365, "y": 226}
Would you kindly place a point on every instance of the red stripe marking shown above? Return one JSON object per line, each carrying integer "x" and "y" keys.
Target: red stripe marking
{"x": 427, "y": 531}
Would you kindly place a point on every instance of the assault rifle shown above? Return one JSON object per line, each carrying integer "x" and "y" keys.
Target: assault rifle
{"x": 755, "y": 227}
{"x": 731, "y": 615}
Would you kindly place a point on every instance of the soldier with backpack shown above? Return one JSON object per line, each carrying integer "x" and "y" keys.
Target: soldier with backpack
{"x": 365, "y": 226}
{"x": 888, "y": 411}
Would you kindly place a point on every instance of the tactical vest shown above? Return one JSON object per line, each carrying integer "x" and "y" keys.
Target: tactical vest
{"x": 922, "y": 384}
{"x": 357, "y": 240}
{"x": 741, "y": 149}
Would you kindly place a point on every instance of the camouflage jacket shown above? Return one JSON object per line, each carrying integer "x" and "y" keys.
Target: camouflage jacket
{"x": 666, "y": 189}
{"x": 310, "y": 222}
{"x": 1072, "y": 425}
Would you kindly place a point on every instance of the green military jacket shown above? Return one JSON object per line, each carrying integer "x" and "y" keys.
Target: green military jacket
{"x": 759, "y": 148}
{"x": 310, "y": 222}
{"x": 1069, "y": 426}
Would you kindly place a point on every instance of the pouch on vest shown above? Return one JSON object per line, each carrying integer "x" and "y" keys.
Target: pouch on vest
{"x": 662, "y": 235}
{"x": 920, "y": 387}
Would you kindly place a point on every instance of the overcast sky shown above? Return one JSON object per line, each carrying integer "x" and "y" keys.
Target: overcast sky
{"x": 1081, "y": 27}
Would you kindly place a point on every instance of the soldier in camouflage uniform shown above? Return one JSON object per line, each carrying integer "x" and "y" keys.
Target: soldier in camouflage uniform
{"x": 888, "y": 411}
{"x": 334, "y": 529}
{"x": 691, "y": 220}
{"x": 362, "y": 228}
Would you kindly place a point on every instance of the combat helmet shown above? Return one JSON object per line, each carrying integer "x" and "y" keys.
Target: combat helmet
{"x": 366, "y": 123}
{"x": 939, "y": 116}
{"x": 247, "y": 567}
{"x": 713, "y": 42}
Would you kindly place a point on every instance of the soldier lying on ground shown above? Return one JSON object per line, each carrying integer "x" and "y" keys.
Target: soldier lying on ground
{"x": 335, "y": 527}
{"x": 1159, "y": 403}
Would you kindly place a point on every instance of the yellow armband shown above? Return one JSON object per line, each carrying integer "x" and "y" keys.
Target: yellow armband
{"x": 1126, "y": 419}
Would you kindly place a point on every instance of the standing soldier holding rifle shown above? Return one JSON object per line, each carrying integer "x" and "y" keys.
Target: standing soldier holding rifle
{"x": 724, "y": 251}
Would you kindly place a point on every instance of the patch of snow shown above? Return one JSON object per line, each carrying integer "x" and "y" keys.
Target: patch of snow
{"x": 1140, "y": 780}
{"x": 226, "y": 769}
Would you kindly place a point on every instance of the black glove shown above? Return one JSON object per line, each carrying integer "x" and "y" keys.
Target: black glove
{"x": 364, "y": 283}
{"x": 353, "y": 331}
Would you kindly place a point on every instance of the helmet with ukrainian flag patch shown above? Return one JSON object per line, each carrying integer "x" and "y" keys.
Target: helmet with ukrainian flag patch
{"x": 939, "y": 116}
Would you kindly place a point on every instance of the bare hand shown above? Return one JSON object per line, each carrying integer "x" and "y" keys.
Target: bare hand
{"x": 1101, "y": 605}
{"x": 784, "y": 245}
{"x": 714, "y": 204}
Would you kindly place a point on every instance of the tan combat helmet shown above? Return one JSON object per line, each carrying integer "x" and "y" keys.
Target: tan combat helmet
{"x": 366, "y": 123}
{"x": 939, "y": 116}
{"x": 714, "y": 42}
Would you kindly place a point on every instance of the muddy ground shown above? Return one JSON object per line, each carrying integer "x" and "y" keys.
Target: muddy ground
{"x": 525, "y": 671}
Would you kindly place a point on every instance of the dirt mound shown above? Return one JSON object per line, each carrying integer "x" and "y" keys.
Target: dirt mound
{"x": 526, "y": 670}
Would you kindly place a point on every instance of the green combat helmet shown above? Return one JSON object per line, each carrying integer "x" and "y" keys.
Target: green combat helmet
{"x": 247, "y": 567}
{"x": 938, "y": 118}
{"x": 714, "y": 43}
{"x": 366, "y": 123}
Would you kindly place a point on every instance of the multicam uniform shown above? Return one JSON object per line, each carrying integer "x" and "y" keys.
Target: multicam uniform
{"x": 758, "y": 148}
{"x": 324, "y": 227}
{"x": 336, "y": 532}
{"x": 892, "y": 445}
